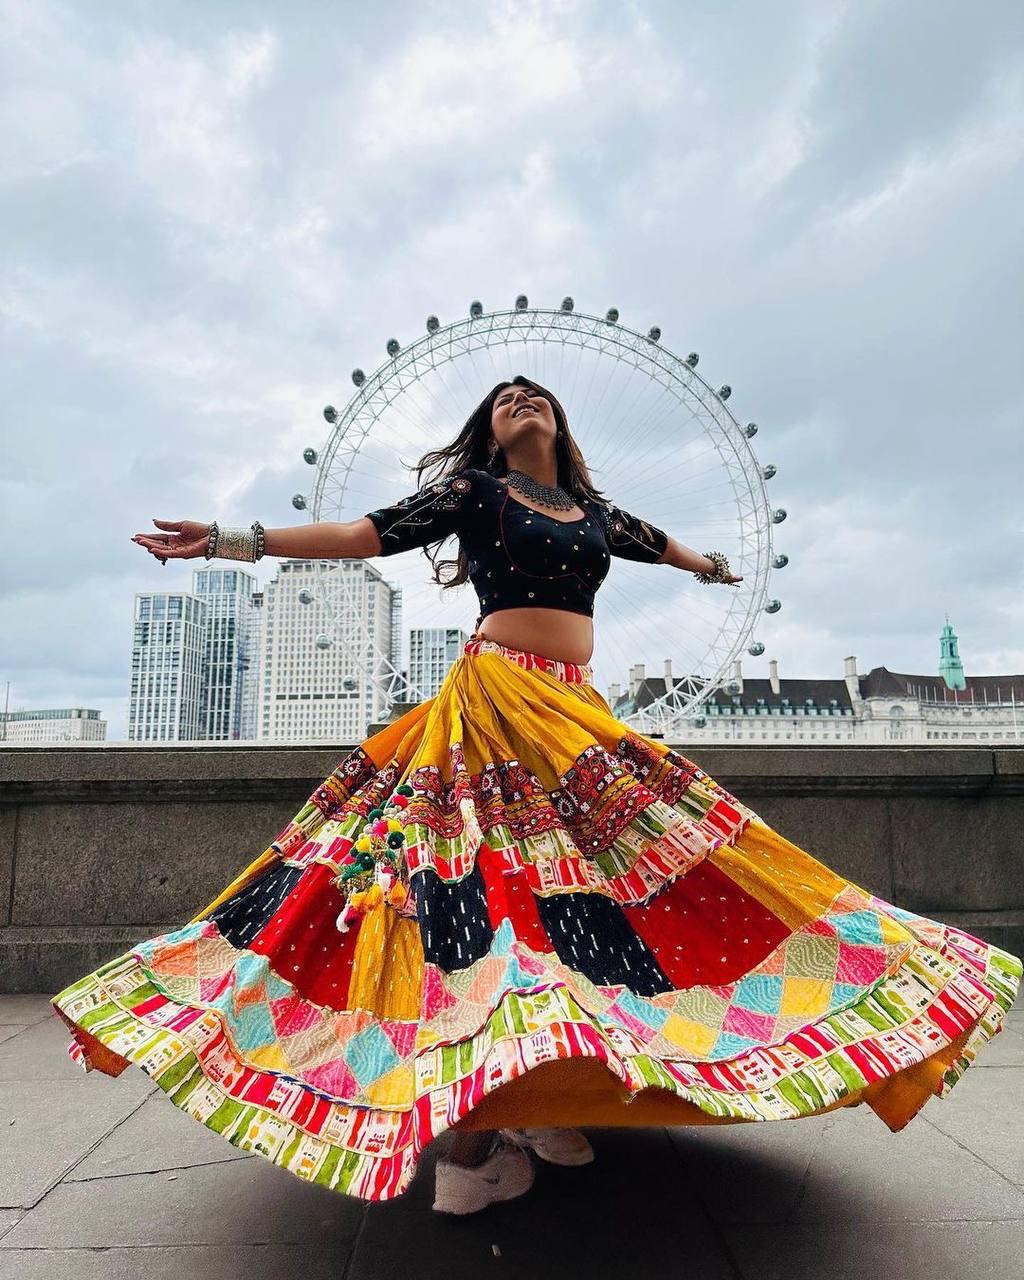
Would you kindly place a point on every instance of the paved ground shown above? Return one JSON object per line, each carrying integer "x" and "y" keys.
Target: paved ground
{"x": 105, "y": 1178}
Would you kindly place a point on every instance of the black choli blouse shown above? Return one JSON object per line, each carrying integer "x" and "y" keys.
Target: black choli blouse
{"x": 518, "y": 556}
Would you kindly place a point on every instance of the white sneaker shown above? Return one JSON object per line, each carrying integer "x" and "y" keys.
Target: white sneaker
{"x": 556, "y": 1146}
{"x": 506, "y": 1173}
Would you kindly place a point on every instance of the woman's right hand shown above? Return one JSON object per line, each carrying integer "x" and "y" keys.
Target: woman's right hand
{"x": 184, "y": 540}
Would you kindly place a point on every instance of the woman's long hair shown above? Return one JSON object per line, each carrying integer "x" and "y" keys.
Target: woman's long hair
{"x": 470, "y": 449}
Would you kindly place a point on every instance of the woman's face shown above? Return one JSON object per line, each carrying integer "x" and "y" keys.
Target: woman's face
{"x": 518, "y": 411}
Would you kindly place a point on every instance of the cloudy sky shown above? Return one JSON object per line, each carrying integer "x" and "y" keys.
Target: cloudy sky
{"x": 212, "y": 212}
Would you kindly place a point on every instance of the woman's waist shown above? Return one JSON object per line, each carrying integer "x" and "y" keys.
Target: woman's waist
{"x": 570, "y": 672}
{"x": 568, "y": 635}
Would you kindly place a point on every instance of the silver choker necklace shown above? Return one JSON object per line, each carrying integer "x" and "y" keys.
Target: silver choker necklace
{"x": 549, "y": 495}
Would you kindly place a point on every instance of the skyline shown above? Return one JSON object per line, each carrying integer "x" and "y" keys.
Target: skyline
{"x": 211, "y": 220}
{"x": 752, "y": 668}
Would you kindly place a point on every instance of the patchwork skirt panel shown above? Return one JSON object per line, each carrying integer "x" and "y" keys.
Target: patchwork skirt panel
{"x": 510, "y": 908}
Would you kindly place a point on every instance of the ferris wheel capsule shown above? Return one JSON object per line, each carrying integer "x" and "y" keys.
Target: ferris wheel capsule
{"x": 612, "y": 315}
{"x": 778, "y": 515}
{"x": 756, "y": 649}
{"x": 433, "y": 324}
{"x": 476, "y": 310}
{"x": 692, "y": 359}
{"x": 358, "y": 377}
{"x": 567, "y": 303}
{"x": 323, "y": 641}
{"x": 773, "y": 606}
{"x": 305, "y": 596}
{"x": 724, "y": 391}
{"x": 330, "y": 413}
{"x": 654, "y": 333}
{"x": 699, "y": 722}
{"x": 350, "y": 683}
{"x": 299, "y": 501}
{"x": 393, "y": 347}
{"x": 780, "y": 561}
{"x": 310, "y": 456}
{"x": 521, "y": 302}
{"x": 768, "y": 470}
{"x": 750, "y": 430}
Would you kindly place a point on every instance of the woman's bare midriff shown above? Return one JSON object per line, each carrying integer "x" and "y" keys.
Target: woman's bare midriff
{"x": 555, "y": 633}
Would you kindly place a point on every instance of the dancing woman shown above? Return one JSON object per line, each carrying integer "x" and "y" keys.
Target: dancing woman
{"x": 508, "y": 913}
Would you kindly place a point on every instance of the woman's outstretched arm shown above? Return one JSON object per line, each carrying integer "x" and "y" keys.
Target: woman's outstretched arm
{"x": 325, "y": 540}
{"x": 683, "y": 557}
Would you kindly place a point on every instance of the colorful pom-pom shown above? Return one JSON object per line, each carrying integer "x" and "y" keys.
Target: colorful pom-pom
{"x": 404, "y": 789}
{"x": 375, "y": 812}
{"x": 397, "y": 894}
{"x": 396, "y": 839}
{"x": 374, "y": 895}
{"x": 363, "y": 844}
{"x": 400, "y": 801}
{"x": 380, "y": 827}
{"x": 393, "y": 824}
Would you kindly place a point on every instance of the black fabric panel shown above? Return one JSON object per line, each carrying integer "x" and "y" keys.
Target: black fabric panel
{"x": 244, "y": 914}
{"x": 453, "y": 918}
{"x": 591, "y": 934}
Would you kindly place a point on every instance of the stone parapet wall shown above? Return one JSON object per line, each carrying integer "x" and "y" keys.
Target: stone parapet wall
{"x": 102, "y": 845}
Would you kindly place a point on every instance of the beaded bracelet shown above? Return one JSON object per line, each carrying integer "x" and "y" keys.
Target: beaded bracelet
{"x": 721, "y": 571}
{"x": 211, "y": 541}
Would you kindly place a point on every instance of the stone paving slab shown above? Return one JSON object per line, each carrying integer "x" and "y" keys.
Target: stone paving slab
{"x": 847, "y": 1166}
{"x": 983, "y": 1115}
{"x": 908, "y": 1251}
{"x": 45, "y": 1130}
{"x": 156, "y": 1137}
{"x": 105, "y": 1178}
{"x": 157, "y": 1262}
{"x": 25, "y": 1009}
{"x": 238, "y": 1202}
{"x": 40, "y": 1052}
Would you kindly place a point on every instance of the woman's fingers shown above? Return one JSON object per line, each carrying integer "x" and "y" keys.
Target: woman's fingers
{"x": 173, "y": 525}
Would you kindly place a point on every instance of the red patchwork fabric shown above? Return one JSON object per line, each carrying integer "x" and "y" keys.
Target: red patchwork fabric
{"x": 705, "y": 929}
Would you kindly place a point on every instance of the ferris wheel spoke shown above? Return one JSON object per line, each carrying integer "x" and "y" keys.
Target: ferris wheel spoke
{"x": 649, "y": 421}
{"x": 645, "y": 601}
{"x": 660, "y": 408}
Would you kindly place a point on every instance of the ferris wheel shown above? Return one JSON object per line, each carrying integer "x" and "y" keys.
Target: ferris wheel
{"x": 659, "y": 441}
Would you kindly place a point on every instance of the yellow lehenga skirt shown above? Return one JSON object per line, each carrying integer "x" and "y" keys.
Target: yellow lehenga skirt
{"x": 509, "y": 908}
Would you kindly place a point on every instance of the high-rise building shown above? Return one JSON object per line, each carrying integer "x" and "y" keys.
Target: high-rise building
{"x": 432, "y": 650}
{"x": 231, "y": 654}
{"x": 254, "y": 685}
{"x": 168, "y": 667}
{"x": 66, "y": 724}
{"x": 313, "y": 685}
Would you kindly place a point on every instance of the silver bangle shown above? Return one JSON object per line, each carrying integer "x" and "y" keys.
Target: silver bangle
{"x": 720, "y": 572}
{"x": 237, "y": 544}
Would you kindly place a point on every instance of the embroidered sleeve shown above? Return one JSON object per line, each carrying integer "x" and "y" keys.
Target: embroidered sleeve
{"x": 431, "y": 514}
{"x": 631, "y": 538}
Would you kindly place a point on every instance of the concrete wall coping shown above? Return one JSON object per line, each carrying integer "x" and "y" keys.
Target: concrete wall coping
{"x": 101, "y": 771}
